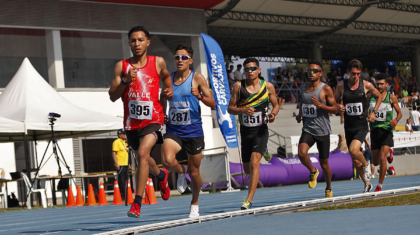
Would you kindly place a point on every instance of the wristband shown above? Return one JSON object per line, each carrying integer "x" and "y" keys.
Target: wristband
{"x": 201, "y": 98}
{"x": 375, "y": 111}
{"x": 397, "y": 119}
{"x": 273, "y": 114}
{"x": 124, "y": 83}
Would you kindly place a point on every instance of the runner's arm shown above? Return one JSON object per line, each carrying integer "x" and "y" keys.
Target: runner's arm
{"x": 397, "y": 108}
{"x": 207, "y": 97}
{"x": 331, "y": 106}
{"x": 338, "y": 95}
{"x": 375, "y": 93}
{"x": 117, "y": 88}
{"x": 232, "y": 109}
{"x": 273, "y": 99}
{"x": 166, "y": 78}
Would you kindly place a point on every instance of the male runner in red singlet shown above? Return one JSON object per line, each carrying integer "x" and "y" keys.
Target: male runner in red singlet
{"x": 136, "y": 81}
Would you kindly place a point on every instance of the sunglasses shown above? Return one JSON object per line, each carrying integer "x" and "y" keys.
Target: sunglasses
{"x": 314, "y": 70}
{"x": 250, "y": 69}
{"x": 183, "y": 57}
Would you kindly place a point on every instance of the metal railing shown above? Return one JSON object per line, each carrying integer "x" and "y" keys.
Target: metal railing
{"x": 276, "y": 140}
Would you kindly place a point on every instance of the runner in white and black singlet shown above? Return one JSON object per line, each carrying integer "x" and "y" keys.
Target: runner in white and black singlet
{"x": 355, "y": 107}
{"x": 316, "y": 104}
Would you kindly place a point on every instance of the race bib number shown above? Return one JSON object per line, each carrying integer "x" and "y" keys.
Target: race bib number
{"x": 309, "y": 110}
{"x": 142, "y": 110}
{"x": 381, "y": 114}
{"x": 180, "y": 116}
{"x": 254, "y": 120}
{"x": 354, "y": 109}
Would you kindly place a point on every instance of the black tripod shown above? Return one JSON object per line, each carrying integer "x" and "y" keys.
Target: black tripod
{"x": 59, "y": 158}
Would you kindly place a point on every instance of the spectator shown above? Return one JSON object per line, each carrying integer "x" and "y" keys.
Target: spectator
{"x": 120, "y": 157}
{"x": 346, "y": 76}
{"x": 414, "y": 82}
{"x": 392, "y": 90}
{"x": 415, "y": 122}
{"x": 373, "y": 78}
{"x": 387, "y": 71}
{"x": 284, "y": 76}
{"x": 302, "y": 75}
{"x": 408, "y": 126}
{"x": 407, "y": 98}
{"x": 365, "y": 74}
{"x": 396, "y": 83}
{"x": 339, "y": 75}
{"x": 278, "y": 75}
{"x": 401, "y": 79}
{"x": 237, "y": 73}
{"x": 231, "y": 76}
{"x": 332, "y": 79}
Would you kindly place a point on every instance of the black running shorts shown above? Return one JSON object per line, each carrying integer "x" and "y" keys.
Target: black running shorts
{"x": 355, "y": 134}
{"x": 133, "y": 136}
{"x": 193, "y": 145}
{"x": 322, "y": 143}
{"x": 253, "y": 140}
{"x": 380, "y": 137}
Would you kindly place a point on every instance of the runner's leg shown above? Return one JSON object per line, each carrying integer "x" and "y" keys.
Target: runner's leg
{"x": 169, "y": 150}
{"x": 358, "y": 158}
{"x": 146, "y": 163}
{"x": 194, "y": 162}
{"x": 254, "y": 175}
{"x": 326, "y": 171}
{"x": 383, "y": 166}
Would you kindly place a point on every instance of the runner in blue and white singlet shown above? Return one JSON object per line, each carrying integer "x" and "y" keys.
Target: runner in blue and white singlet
{"x": 184, "y": 129}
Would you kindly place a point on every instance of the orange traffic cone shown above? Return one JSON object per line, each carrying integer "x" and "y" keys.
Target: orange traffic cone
{"x": 70, "y": 198}
{"x": 129, "y": 195}
{"x": 91, "y": 200}
{"x": 145, "y": 200}
{"x": 151, "y": 192}
{"x": 102, "y": 195}
{"x": 79, "y": 197}
{"x": 117, "y": 194}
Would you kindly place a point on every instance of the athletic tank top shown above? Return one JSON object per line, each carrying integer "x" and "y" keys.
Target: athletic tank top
{"x": 184, "y": 116}
{"x": 141, "y": 96}
{"x": 258, "y": 101}
{"x": 384, "y": 115}
{"x": 315, "y": 120}
{"x": 355, "y": 104}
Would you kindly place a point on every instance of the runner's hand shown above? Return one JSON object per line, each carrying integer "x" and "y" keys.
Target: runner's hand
{"x": 131, "y": 75}
{"x": 271, "y": 118}
{"x": 340, "y": 109}
{"x": 299, "y": 118}
{"x": 169, "y": 93}
{"x": 371, "y": 117}
{"x": 394, "y": 122}
{"x": 249, "y": 111}
{"x": 315, "y": 101}
{"x": 165, "y": 119}
{"x": 195, "y": 92}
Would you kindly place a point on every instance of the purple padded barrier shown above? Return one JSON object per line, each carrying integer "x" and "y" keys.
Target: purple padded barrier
{"x": 291, "y": 171}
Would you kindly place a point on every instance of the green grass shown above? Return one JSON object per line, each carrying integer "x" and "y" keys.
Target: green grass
{"x": 409, "y": 199}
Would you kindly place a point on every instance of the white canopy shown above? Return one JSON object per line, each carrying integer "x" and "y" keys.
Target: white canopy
{"x": 28, "y": 99}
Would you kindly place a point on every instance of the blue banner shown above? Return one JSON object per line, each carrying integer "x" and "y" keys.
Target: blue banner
{"x": 221, "y": 92}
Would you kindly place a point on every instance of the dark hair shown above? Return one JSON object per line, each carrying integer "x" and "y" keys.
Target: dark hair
{"x": 355, "y": 63}
{"x": 137, "y": 29}
{"x": 382, "y": 76}
{"x": 186, "y": 47}
{"x": 315, "y": 62}
{"x": 250, "y": 60}
{"x": 239, "y": 66}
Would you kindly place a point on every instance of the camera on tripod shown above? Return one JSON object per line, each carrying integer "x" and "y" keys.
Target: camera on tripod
{"x": 53, "y": 116}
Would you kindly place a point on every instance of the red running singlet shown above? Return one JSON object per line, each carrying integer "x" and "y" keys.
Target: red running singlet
{"x": 141, "y": 96}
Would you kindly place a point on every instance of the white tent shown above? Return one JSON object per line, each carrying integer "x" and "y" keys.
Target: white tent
{"x": 28, "y": 99}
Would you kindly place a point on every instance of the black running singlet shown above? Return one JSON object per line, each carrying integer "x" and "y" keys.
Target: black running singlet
{"x": 356, "y": 106}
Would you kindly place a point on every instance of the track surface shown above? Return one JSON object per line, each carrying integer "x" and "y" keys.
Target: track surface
{"x": 97, "y": 219}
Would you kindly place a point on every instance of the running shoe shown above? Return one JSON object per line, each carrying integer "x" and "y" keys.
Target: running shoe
{"x": 390, "y": 158}
{"x": 164, "y": 187}
{"x": 313, "y": 178}
{"x": 328, "y": 193}
{"x": 367, "y": 188}
{"x": 267, "y": 155}
{"x": 194, "y": 212}
{"x": 181, "y": 183}
{"x": 366, "y": 172}
{"x": 134, "y": 211}
{"x": 246, "y": 205}
{"x": 378, "y": 188}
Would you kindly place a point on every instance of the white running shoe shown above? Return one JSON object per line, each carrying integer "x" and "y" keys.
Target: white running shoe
{"x": 181, "y": 183}
{"x": 194, "y": 212}
{"x": 366, "y": 172}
